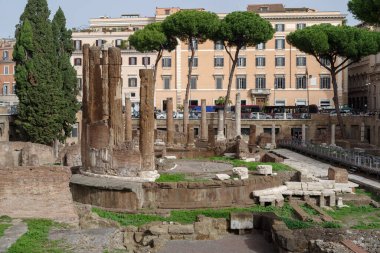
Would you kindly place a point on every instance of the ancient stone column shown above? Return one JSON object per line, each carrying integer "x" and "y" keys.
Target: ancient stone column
{"x": 211, "y": 135}
{"x": 169, "y": 122}
{"x": 115, "y": 98}
{"x": 252, "y": 136}
{"x": 95, "y": 86}
{"x": 146, "y": 122}
{"x": 220, "y": 136}
{"x": 185, "y": 116}
{"x": 238, "y": 114}
{"x": 303, "y": 133}
{"x": 105, "y": 97}
{"x": 362, "y": 131}
{"x": 85, "y": 102}
{"x": 190, "y": 136}
{"x": 333, "y": 134}
{"x": 203, "y": 121}
{"x": 128, "y": 120}
{"x": 273, "y": 136}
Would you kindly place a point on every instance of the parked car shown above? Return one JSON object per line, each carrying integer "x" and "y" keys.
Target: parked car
{"x": 259, "y": 115}
{"x": 343, "y": 112}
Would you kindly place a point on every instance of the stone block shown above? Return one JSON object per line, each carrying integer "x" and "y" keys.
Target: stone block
{"x": 314, "y": 186}
{"x": 312, "y": 193}
{"x": 270, "y": 191}
{"x": 288, "y": 192}
{"x": 230, "y": 155}
{"x": 241, "y": 220}
{"x": 328, "y": 192}
{"x": 264, "y": 169}
{"x": 294, "y": 185}
{"x": 170, "y": 157}
{"x": 327, "y": 184}
{"x": 338, "y": 174}
{"x": 298, "y": 192}
{"x": 181, "y": 229}
{"x": 250, "y": 160}
{"x": 241, "y": 172}
{"x": 332, "y": 200}
{"x": 222, "y": 177}
{"x": 267, "y": 198}
{"x": 159, "y": 229}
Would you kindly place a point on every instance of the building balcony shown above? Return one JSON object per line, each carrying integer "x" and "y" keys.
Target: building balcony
{"x": 260, "y": 92}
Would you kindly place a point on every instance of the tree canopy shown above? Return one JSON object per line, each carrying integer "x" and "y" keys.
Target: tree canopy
{"x": 340, "y": 45}
{"x": 41, "y": 111}
{"x": 366, "y": 10}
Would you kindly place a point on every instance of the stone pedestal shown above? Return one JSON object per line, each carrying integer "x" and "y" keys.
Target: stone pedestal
{"x": 169, "y": 122}
{"x": 146, "y": 122}
{"x": 238, "y": 114}
{"x": 204, "y": 128}
{"x": 220, "y": 136}
{"x": 128, "y": 120}
{"x": 332, "y": 134}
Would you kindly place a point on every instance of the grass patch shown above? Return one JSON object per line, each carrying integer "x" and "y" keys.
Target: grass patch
{"x": 5, "y": 219}
{"x": 250, "y": 165}
{"x": 331, "y": 224}
{"x": 357, "y": 217}
{"x": 373, "y": 196}
{"x": 3, "y": 227}
{"x": 189, "y": 216}
{"x": 177, "y": 177}
{"x": 36, "y": 239}
{"x": 310, "y": 211}
{"x": 370, "y": 225}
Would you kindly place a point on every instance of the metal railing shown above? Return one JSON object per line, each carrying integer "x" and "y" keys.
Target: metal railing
{"x": 354, "y": 159}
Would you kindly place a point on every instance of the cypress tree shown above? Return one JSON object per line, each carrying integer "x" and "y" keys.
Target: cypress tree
{"x": 64, "y": 49}
{"x": 41, "y": 117}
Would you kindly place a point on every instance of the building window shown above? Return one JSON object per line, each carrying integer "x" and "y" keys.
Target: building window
{"x": 301, "y": 101}
{"x": 301, "y": 82}
{"x": 280, "y": 102}
{"x": 6, "y": 70}
{"x": 260, "y": 61}
{"x": 5, "y": 55}
{"x": 118, "y": 42}
{"x": 324, "y": 102}
{"x": 74, "y": 130}
{"x": 195, "y": 44}
{"x": 218, "y": 62}
{"x": 280, "y": 27}
{"x": 78, "y": 44}
{"x": 280, "y": 43}
{"x": 301, "y": 61}
{"x": 260, "y": 82}
{"x": 79, "y": 83}
{"x": 279, "y": 81}
{"x": 100, "y": 42}
{"x": 166, "y": 80}
{"x": 218, "y": 45}
{"x": 241, "y": 61}
{"x": 133, "y": 94}
{"x": 325, "y": 82}
{"x": 241, "y": 82}
{"x": 193, "y": 102}
{"x": 77, "y": 62}
{"x": 132, "y": 82}
{"x": 5, "y": 89}
{"x": 132, "y": 60}
{"x": 260, "y": 46}
{"x": 280, "y": 61}
{"x": 301, "y": 26}
{"x": 195, "y": 62}
{"x": 219, "y": 82}
{"x": 325, "y": 62}
{"x": 193, "y": 82}
{"x": 166, "y": 62}
{"x": 146, "y": 61}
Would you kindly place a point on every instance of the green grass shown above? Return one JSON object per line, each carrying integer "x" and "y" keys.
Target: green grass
{"x": 331, "y": 224}
{"x": 189, "y": 216}
{"x": 250, "y": 165}
{"x": 36, "y": 239}
{"x": 357, "y": 217}
{"x": 177, "y": 177}
{"x": 5, "y": 218}
{"x": 3, "y": 227}
{"x": 309, "y": 210}
{"x": 339, "y": 214}
{"x": 364, "y": 225}
{"x": 373, "y": 196}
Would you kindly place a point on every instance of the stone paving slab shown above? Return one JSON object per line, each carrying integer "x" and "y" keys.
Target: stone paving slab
{"x": 250, "y": 243}
{"x": 12, "y": 234}
{"x": 319, "y": 169}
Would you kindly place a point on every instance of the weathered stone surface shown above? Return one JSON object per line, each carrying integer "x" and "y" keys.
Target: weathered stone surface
{"x": 270, "y": 191}
{"x": 264, "y": 169}
{"x": 338, "y": 174}
{"x": 241, "y": 220}
{"x": 222, "y": 177}
{"x": 159, "y": 229}
{"x": 314, "y": 186}
{"x": 241, "y": 172}
{"x": 241, "y": 148}
{"x": 294, "y": 185}
{"x": 181, "y": 229}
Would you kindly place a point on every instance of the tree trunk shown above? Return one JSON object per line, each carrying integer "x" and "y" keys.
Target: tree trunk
{"x": 336, "y": 103}
{"x": 232, "y": 71}
{"x": 186, "y": 101}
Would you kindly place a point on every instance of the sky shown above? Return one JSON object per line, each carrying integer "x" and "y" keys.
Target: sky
{"x": 78, "y": 12}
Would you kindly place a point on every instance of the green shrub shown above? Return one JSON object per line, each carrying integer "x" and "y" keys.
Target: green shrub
{"x": 331, "y": 224}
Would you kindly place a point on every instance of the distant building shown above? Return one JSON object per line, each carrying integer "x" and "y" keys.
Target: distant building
{"x": 273, "y": 73}
{"x": 8, "y": 96}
